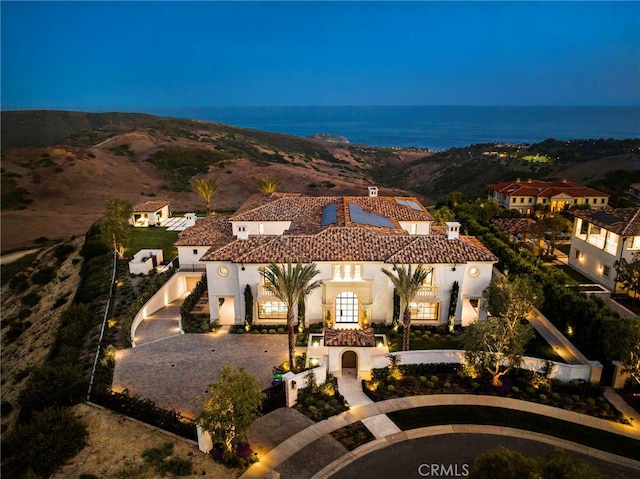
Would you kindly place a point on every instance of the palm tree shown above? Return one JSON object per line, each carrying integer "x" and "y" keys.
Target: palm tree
{"x": 268, "y": 184}
{"x": 407, "y": 284}
{"x": 290, "y": 284}
{"x": 205, "y": 187}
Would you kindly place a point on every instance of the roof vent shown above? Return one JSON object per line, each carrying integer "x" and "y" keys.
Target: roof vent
{"x": 529, "y": 180}
{"x": 564, "y": 180}
{"x": 453, "y": 230}
{"x": 518, "y": 180}
{"x": 373, "y": 191}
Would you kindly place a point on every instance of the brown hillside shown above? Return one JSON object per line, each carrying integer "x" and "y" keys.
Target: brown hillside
{"x": 69, "y": 183}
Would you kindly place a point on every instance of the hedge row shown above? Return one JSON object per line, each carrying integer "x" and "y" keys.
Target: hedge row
{"x": 567, "y": 308}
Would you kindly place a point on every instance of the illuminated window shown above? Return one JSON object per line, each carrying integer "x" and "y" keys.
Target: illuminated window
{"x": 260, "y": 229}
{"x": 347, "y": 271}
{"x": 272, "y": 310}
{"x": 634, "y": 242}
{"x": 414, "y": 228}
{"x": 424, "y": 311}
{"x": 347, "y": 308}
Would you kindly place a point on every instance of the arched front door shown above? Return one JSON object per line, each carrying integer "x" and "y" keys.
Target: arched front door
{"x": 349, "y": 360}
{"x": 347, "y": 308}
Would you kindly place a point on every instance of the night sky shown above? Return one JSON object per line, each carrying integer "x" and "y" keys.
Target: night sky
{"x": 82, "y": 55}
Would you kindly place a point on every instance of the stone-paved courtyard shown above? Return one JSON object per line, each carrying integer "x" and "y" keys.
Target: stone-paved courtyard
{"x": 175, "y": 371}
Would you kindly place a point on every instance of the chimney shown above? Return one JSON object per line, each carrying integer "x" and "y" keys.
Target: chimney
{"x": 453, "y": 230}
{"x": 241, "y": 230}
{"x": 373, "y": 191}
{"x": 189, "y": 219}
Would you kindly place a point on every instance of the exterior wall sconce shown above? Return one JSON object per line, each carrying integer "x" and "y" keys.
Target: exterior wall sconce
{"x": 293, "y": 384}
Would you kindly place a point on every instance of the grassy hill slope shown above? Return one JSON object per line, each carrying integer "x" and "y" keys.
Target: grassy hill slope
{"x": 59, "y": 189}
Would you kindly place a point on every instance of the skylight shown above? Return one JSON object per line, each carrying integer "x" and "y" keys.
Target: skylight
{"x": 411, "y": 204}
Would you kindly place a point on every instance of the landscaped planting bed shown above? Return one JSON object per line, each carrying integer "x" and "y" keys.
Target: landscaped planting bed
{"x": 320, "y": 402}
{"x": 422, "y": 379}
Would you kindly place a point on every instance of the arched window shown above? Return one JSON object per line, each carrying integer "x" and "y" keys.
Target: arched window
{"x": 347, "y": 308}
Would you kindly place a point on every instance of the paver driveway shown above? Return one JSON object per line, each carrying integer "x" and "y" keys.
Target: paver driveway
{"x": 175, "y": 371}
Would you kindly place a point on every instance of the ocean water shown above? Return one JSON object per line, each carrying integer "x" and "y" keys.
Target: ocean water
{"x": 435, "y": 127}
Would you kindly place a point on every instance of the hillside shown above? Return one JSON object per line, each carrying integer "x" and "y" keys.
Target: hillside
{"x": 60, "y": 168}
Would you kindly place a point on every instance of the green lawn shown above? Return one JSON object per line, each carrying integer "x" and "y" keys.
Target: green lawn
{"x": 439, "y": 415}
{"x": 573, "y": 274}
{"x": 153, "y": 238}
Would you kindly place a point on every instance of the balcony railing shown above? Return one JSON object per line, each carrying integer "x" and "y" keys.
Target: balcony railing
{"x": 427, "y": 291}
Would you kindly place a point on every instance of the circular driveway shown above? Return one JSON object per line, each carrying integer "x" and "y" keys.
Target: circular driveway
{"x": 451, "y": 456}
{"x": 175, "y": 371}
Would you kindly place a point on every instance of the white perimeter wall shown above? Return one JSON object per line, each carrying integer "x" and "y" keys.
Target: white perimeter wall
{"x": 169, "y": 292}
{"x": 562, "y": 372}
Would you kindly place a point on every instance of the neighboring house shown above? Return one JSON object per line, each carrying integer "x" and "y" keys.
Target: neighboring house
{"x": 634, "y": 193}
{"x": 523, "y": 196}
{"x": 350, "y": 239}
{"x": 145, "y": 260}
{"x": 518, "y": 229}
{"x": 600, "y": 238}
{"x": 149, "y": 213}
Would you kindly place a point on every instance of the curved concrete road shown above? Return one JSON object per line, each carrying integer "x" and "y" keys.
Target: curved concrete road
{"x": 451, "y": 456}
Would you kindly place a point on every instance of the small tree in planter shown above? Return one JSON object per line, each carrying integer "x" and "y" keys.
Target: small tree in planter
{"x": 232, "y": 407}
{"x": 495, "y": 346}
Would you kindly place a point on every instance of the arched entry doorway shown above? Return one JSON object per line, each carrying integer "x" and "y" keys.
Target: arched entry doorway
{"x": 347, "y": 308}
{"x": 350, "y": 360}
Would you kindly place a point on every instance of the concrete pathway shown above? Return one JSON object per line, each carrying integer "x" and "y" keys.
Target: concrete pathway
{"x": 621, "y": 405}
{"x": 270, "y": 461}
{"x": 351, "y": 388}
{"x": 560, "y": 344}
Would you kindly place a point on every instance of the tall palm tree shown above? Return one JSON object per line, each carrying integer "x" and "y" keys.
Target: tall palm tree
{"x": 407, "y": 284}
{"x": 268, "y": 184}
{"x": 290, "y": 284}
{"x": 205, "y": 187}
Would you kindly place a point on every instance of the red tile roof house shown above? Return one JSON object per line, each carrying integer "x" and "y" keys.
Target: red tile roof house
{"x": 350, "y": 239}
{"x": 149, "y": 213}
{"x": 523, "y": 196}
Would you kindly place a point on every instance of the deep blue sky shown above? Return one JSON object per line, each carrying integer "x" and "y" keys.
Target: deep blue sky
{"x": 82, "y": 55}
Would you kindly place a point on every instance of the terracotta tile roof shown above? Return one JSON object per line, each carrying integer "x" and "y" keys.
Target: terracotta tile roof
{"x": 545, "y": 189}
{"x": 621, "y": 221}
{"x": 148, "y": 206}
{"x": 352, "y": 244}
{"x": 305, "y": 212}
{"x": 212, "y": 231}
{"x": 349, "y": 337}
{"x": 514, "y": 226}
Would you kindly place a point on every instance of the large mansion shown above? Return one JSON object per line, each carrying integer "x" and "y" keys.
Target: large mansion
{"x": 350, "y": 239}
{"x": 523, "y": 196}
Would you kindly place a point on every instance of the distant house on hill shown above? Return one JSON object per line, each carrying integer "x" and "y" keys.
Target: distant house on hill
{"x": 600, "y": 238}
{"x": 350, "y": 239}
{"x": 523, "y": 196}
{"x": 149, "y": 213}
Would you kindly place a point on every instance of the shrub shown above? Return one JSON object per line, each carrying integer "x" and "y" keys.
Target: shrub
{"x": 280, "y": 330}
{"x": 543, "y": 397}
{"x": 50, "y": 439}
{"x": 423, "y": 379}
{"x": 391, "y": 387}
{"x": 447, "y": 385}
{"x": 31, "y": 299}
{"x": 272, "y": 331}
